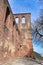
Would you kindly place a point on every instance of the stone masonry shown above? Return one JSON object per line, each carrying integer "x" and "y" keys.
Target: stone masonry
{"x": 15, "y": 39}
{"x": 25, "y": 28}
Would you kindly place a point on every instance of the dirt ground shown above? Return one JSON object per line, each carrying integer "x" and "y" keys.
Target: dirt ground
{"x": 24, "y": 61}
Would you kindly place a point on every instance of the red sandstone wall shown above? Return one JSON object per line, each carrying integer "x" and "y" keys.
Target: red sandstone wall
{"x": 12, "y": 45}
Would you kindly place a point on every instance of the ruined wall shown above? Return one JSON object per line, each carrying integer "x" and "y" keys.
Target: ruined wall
{"x": 24, "y": 26}
{"x": 23, "y": 22}
{"x": 14, "y": 41}
{"x": 9, "y": 39}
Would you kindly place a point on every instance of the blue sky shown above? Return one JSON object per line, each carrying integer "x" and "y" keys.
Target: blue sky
{"x": 25, "y": 6}
{"x": 38, "y": 46}
{"x": 28, "y": 6}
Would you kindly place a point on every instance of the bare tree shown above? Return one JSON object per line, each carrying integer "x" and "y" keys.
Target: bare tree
{"x": 38, "y": 31}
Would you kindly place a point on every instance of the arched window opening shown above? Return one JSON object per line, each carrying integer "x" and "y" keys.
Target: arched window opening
{"x": 5, "y": 27}
{"x": 23, "y": 20}
{"x": 13, "y": 23}
{"x": 7, "y": 13}
{"x": 17, "y": 20}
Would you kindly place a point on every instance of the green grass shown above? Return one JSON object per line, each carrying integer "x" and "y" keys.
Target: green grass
{"x": 38, "y": 56}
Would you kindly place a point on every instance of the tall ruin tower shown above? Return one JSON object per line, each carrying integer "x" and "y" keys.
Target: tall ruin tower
{"x": 14, "y": 38}
{"x": 23, "y": 22}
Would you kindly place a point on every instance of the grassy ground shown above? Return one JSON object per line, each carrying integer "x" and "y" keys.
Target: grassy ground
{"x": 38, "y": 56}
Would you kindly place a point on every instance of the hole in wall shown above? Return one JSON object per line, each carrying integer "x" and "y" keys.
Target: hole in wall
{"x": 20, "y": 45}
{"x": 17, "y": 20}
{"x": 13, "y": 23}
{"x": 23, "y": 20}
{"x": 7, "y": 13}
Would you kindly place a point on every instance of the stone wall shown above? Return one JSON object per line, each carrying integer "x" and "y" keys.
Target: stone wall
{"x": 23, "y": 22}
{"x": 14, "y": 41}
